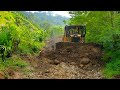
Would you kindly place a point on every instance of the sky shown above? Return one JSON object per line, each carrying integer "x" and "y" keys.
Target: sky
{"x": 62, "y": 13}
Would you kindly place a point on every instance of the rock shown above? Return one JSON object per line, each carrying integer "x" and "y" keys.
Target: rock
{"x": 16, "y": 75}
{"x": 64, "y": 65}
{"x": 85, "y": 61}
{"x": 72, "y": 63}
{"x": 1, "y": 75}
{"x": 69, "y": 49}
{"x": 74, "y": 55}
{"x": 86, "y": 54}
{"x": 11, "y": 72}
{"x": 56, "y": 62}
{"x": 41, "y": 53}
{"x": 88, "y": 66}
{"x": 81, "y": 65}
{"x": 94, "y": 65}
{"x": 94, "y": 50}
{"x": 47, "y": 71}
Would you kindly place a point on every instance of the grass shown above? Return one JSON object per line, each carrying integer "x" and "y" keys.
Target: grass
{"x": 17, "y": 64}
{"x": 14, "y": 62}
{"x": 112, "y": 59}
{"x": 112, "y": 69}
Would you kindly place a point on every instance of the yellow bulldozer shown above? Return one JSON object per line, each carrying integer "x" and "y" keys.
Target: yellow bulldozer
{"x": 74, "y": 33}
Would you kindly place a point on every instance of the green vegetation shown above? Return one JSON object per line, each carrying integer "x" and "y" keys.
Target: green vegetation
{"x": 40, "y": 18}
{"x": 13, "y": 62}
{"x": 103, "y": 27}
{"x": 25, "y": 32}
{"x": 52, "y": 25}
{"x": 19, "y": 34}
{"x": 22, "y": 34}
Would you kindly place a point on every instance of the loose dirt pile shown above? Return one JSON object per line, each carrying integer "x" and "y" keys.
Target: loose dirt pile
{"x": 85, "y": 56}
{"x": 74, "y": 61}
{"x": 66, "y": 71}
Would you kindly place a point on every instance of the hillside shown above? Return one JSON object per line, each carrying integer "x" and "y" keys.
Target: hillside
{"x": 36, "y": 46}
{"x": 21, "y": 29}
{"x": 40, "y": 18}
{"x": 19, "y": 36}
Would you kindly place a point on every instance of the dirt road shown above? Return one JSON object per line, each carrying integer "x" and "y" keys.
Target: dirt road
{"x": 67, "y": 61}
{"x": 77, "y": 61}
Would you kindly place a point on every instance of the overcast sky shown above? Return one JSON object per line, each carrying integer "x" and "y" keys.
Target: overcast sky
{"x": 63, "y": 13}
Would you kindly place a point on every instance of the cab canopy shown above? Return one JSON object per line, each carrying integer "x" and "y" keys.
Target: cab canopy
{"x": 75, "y": 29}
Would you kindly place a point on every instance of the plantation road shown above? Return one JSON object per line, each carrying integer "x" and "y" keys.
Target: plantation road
{"x": 70, "y": 61}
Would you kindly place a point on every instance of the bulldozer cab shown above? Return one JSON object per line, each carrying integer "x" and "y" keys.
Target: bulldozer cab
{"x": 74, "y": 33}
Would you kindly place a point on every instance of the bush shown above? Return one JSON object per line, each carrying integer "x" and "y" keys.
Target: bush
{"x": 24, "y": 48}
{"x": 112, "y": 59}
{"x": 112, "y": 68}
{"x": 13, "y": 62}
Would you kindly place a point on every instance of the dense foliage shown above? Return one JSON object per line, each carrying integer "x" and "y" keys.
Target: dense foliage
{"x": 103, "y": 27}
{"x": 50, "y": 24}
{"x": 22, "y": 34}
{"x": 40, "y": 18}
{"x": 25, "y": 32}
{"x": 19, "y": 34}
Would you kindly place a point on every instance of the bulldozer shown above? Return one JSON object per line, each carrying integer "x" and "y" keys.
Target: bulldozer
{"x": 74, "y": 33}
{"x": 73, "y": 36}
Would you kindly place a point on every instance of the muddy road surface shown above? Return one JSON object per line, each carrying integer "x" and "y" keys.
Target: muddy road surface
{"x": 66, "y": 61}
